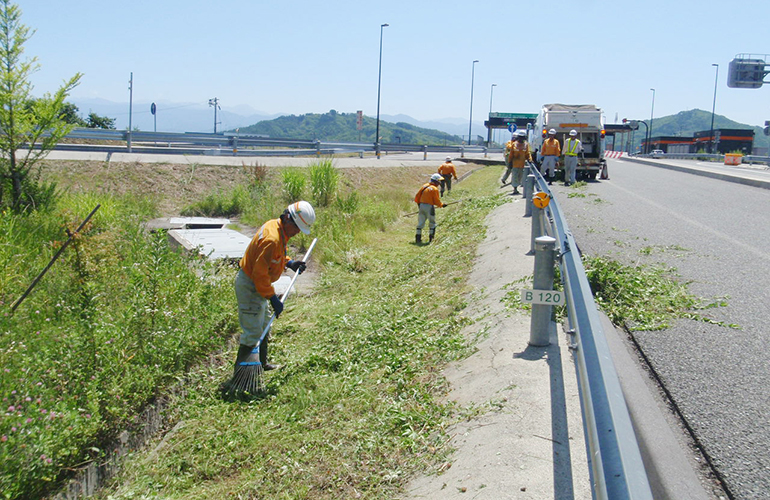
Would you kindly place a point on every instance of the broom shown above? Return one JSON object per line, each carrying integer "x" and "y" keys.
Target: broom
{"x": 248, "y": 376}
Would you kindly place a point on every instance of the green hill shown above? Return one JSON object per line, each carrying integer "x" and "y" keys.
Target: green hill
{"x": 341, "y": 127}
{"x": 685, "y": 123}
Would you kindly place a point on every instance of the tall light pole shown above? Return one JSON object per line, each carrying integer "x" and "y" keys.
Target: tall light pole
{"x": 652, "y": 111}
{"x": 215, "y": 103}
{"x": 470, "y": 124}
{"x": 379, "y": 85}
{"x": 713, "y": 108}
{"x": 491, "y": 93}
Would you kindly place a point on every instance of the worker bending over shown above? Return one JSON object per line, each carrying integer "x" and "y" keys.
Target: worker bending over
{"x": 261, "y": 265}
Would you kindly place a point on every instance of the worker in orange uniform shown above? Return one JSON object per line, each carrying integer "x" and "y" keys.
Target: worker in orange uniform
{"x": 261, "y": 265}
{"x": 427, "y": 199}
{"x": 447, "y": 171}
{"x": 551, "y": 150}
{"x": 518, "y": 156}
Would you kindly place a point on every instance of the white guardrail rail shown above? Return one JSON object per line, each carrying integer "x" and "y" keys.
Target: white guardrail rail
{"x": 615, "y": 461}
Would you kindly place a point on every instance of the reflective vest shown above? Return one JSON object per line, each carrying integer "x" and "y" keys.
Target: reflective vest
{"x": 571, "y": 147}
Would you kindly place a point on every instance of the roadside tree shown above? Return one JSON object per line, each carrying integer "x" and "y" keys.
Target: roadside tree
{"x": 27, "y": 133}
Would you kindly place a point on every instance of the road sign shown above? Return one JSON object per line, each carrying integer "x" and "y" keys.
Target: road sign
{"x": 543, "y": 297}
{"x": 511, "y": 127}
{"x": 153, "y": 108}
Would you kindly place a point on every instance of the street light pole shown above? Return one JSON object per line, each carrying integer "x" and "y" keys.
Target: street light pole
{"x": 652, "y": 111}
{"x": 491, "y": 93}
{"x": 470, "y": 124}
{"x": 713, "y": 108}
{"x": 379, "y": 85}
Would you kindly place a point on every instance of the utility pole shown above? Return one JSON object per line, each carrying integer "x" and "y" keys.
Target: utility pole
{"x": 130, "y": 109}
{"x": 215, "y": 102}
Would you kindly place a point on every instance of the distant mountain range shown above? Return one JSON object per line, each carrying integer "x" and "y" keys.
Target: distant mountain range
{"x": 334, "y": 126}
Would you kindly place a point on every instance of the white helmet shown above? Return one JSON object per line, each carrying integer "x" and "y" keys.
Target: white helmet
{"x": 303, "y": 215}
{"x": 448, "y": 158}
{"x": 436, "y": 177}
{"x": 573, "y": 133}
{"x": 552, "y": 131}
{"x": 521, "y": 133}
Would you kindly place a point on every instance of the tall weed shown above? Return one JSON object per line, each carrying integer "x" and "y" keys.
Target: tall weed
{"x": 323, "y": 182}
{"x": 293, "y": 184}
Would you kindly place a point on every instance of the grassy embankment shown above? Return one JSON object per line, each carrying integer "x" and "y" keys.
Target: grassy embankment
{"x": 122, "y": 317}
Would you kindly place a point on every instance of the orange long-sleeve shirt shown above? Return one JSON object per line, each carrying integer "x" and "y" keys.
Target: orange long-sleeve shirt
{"x": 428, "y": 193}
{"x": 447, "y": 168}
{"x": 519, "y": 153}
{"x": 265, "y": 257}
{"x": 551, "y": 147}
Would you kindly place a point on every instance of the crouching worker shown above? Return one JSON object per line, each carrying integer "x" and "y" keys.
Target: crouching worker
{"x": 262, "y": 264}
{"x": 427, "y": 199}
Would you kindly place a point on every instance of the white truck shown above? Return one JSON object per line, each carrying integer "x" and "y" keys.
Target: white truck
{"x": 586, "y": 119}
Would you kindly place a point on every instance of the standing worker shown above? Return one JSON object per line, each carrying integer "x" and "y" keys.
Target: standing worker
{"x": 517, "y": 157}
{"x": 427, "y": 199}
{"x": 571, "y": 149}
{"x": 447, "y": 171}
{"x": 262, "y": 264}
{"x": 506, "y": 157}
{"x": 551, "y": 151}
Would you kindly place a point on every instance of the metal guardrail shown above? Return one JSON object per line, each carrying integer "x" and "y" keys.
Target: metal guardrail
{"x": 615, "y": 461}
{"x": 240, "y": 145}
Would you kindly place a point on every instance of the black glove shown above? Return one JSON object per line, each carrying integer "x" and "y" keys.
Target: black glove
{"x": 297, "y": 266}
{"x": 277, "y": 305}
{"x": 443, "y": 205}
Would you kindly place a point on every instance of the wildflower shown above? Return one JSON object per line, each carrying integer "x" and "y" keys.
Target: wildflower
{"x": 29, "y": 421}
{"x": 13, "y": 429}
{"x": 4, "y": 438}
{"x": 28, "y": 399}
{"x": 43, "y": 410}
{"x": 11, "y": 409}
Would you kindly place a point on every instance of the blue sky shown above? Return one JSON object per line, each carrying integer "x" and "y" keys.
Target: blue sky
{"x": 309, "y": 57}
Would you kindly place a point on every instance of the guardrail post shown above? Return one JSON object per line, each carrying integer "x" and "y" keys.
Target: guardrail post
{"x": 485, "y": 152}
{"x": 128, "y": 140}
{"x": 235, "y": 145}
{"x": 425, "y": 152}
{"x": 529, "y": 186}
{"x": 539, "y": 329}
{"x": 537, "y": 226}
{"x": 318, "y": 148}
{"x": 462, "y": 152}
{"x": 360, "y": 154}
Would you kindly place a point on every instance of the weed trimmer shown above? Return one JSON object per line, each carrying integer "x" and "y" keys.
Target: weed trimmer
{"x": 451, "y": 203}
{"x": 248, "y": 376}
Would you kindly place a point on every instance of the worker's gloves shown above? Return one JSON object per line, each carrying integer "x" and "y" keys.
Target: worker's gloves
{"x": 443, "y": 205}
{"x": 277, "y": 305}
{"x": 297, "y": 266}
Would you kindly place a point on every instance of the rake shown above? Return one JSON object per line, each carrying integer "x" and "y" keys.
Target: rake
{"x": 249, "y": 373}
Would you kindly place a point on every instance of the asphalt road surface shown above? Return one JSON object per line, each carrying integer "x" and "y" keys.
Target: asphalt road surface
{"x": 716, "y": 235}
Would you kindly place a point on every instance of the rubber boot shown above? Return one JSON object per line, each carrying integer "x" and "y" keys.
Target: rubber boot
{"x": 418, "y": 238}
{"x": 263, "y": 355}
{"x": 432, "y": 235}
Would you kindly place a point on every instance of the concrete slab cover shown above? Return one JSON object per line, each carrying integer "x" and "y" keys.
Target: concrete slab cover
{"x": 212, "y": 243}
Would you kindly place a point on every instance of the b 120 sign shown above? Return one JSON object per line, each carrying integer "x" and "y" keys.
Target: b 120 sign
{"x": 543, "y": 297}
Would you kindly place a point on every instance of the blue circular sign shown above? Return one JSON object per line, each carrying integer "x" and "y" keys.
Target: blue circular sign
{"x": 511, "y": 127}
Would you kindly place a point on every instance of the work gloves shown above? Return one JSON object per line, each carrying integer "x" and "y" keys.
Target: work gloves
{"x": 297, "y": 266}
{"x": 443, "y": 205}
{"x": 277, "y": 305}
